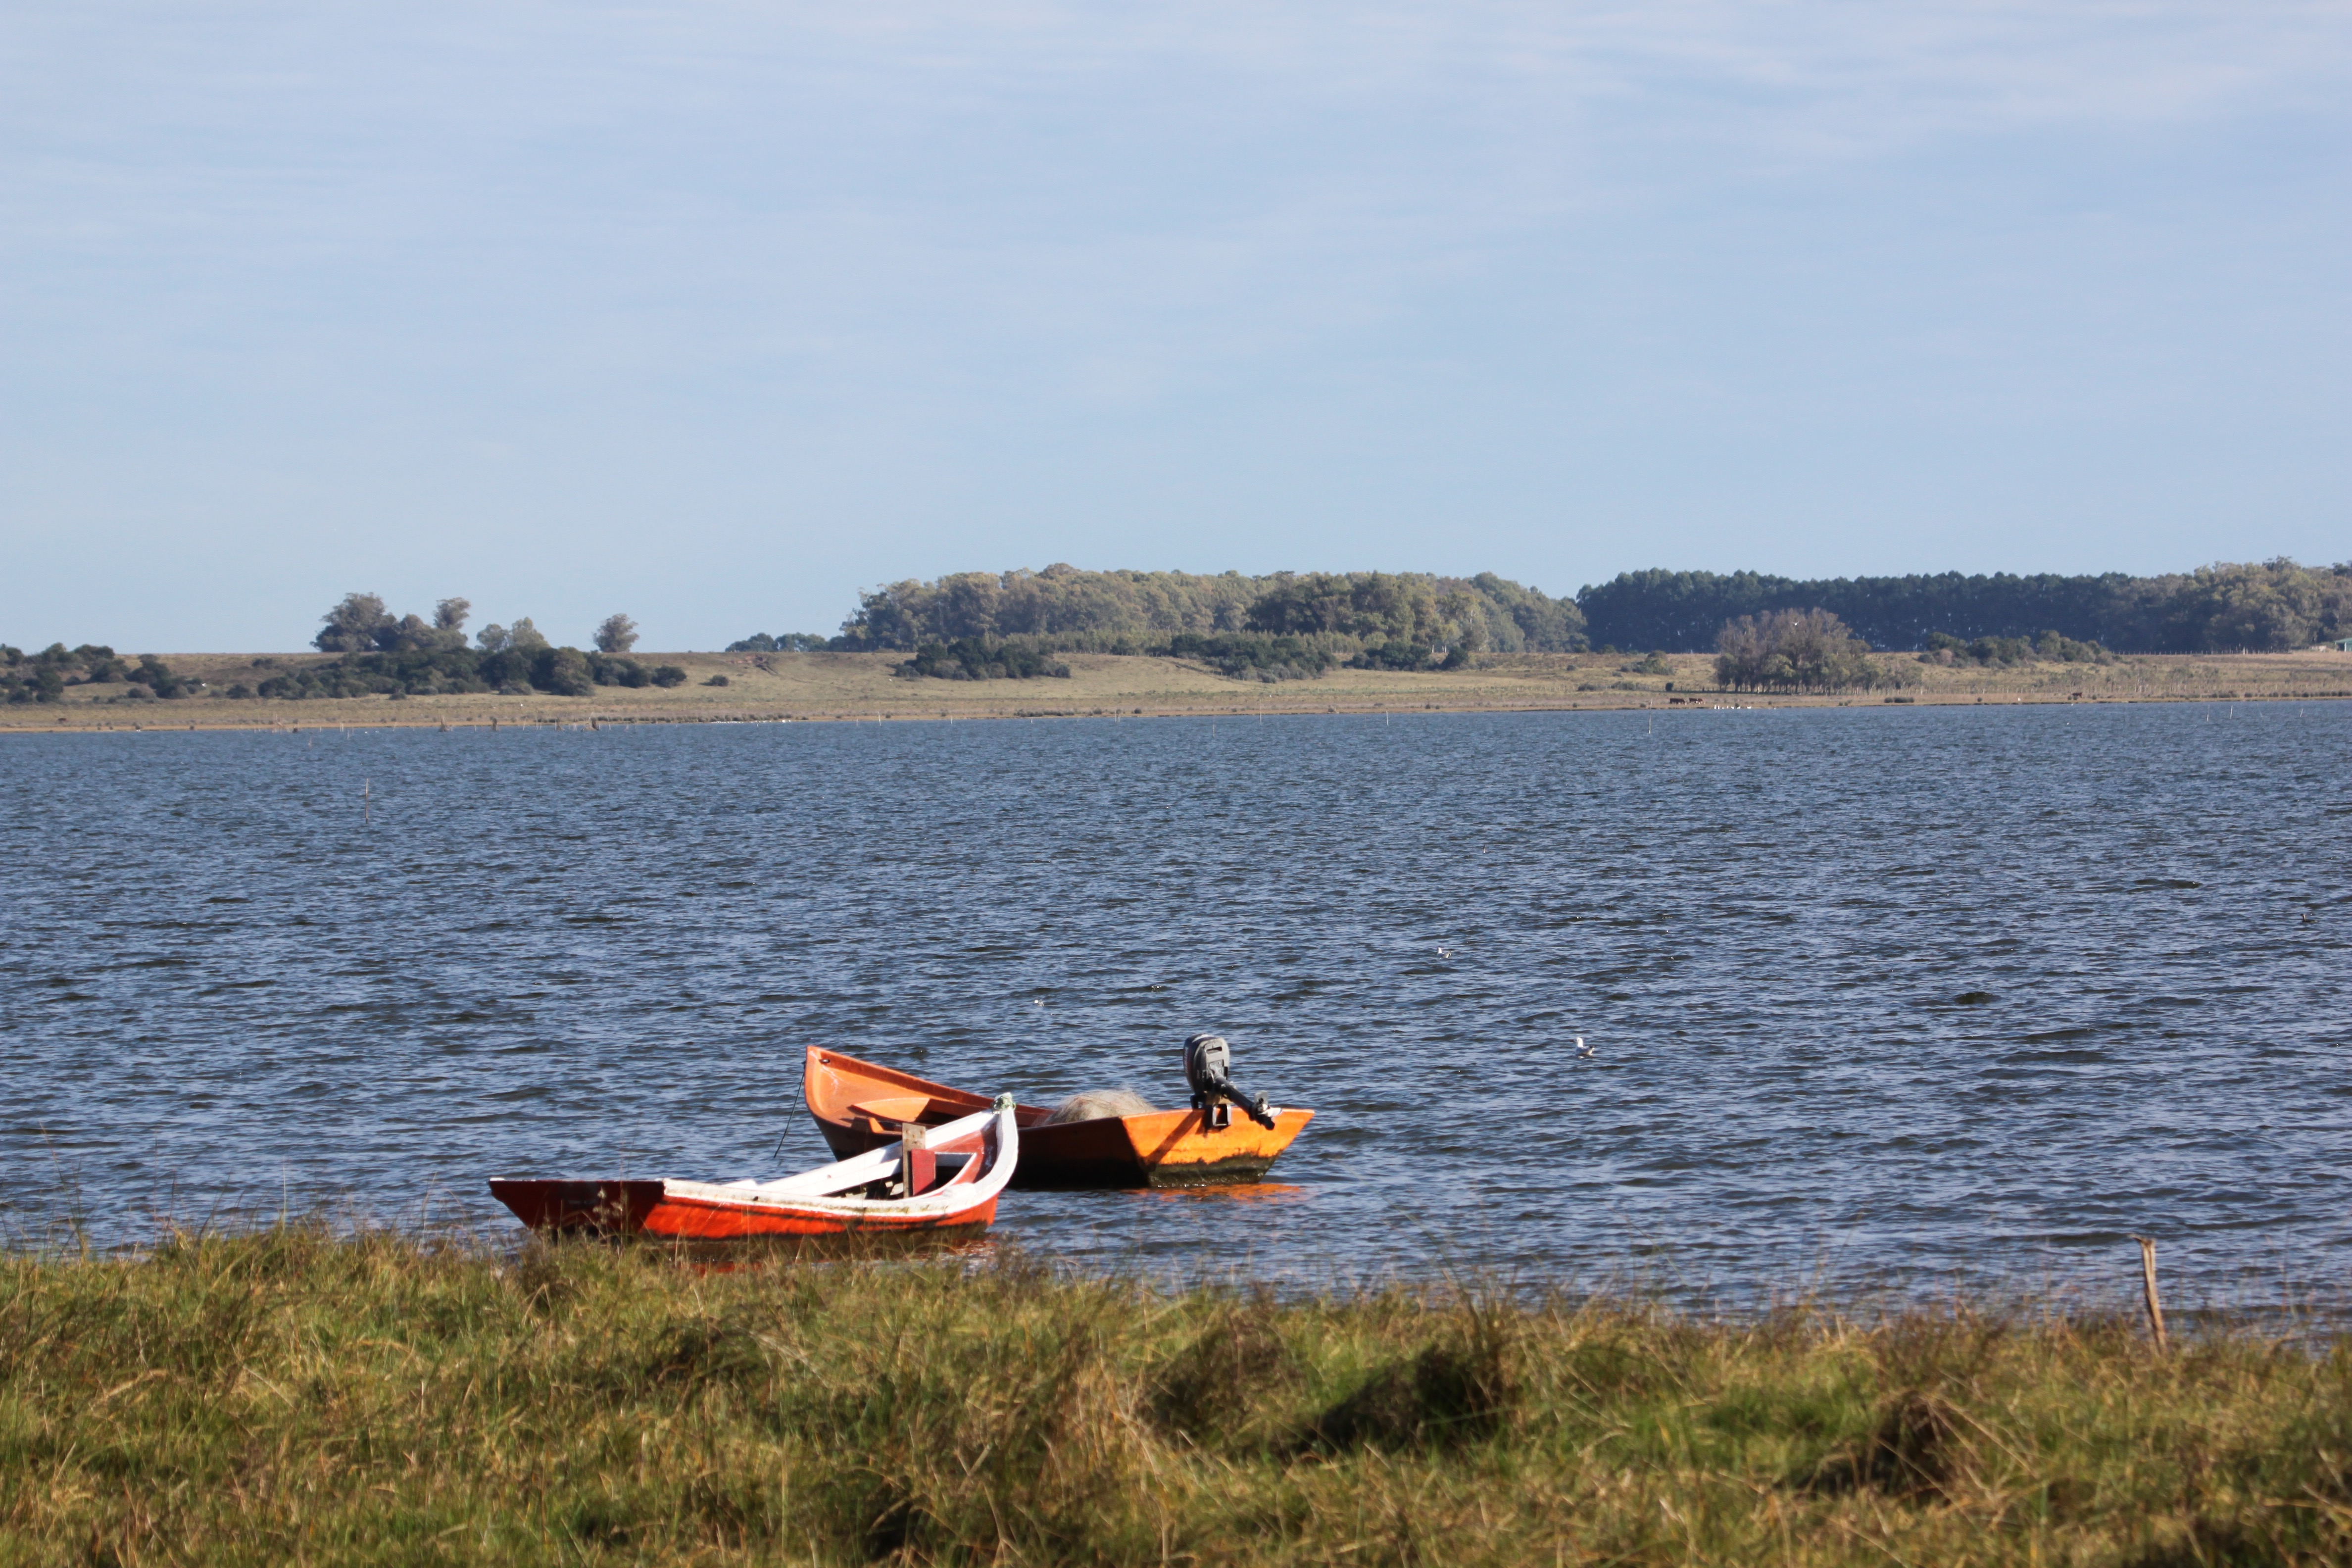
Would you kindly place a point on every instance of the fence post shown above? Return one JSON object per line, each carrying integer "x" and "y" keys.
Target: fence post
{"x": 2148, "y": 1278}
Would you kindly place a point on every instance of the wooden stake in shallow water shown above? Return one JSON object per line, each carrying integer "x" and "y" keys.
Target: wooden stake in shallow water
{"x": 2148, "y": 1278}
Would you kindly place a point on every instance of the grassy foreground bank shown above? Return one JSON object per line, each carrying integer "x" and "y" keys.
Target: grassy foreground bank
{"x": 286, "y": 1396}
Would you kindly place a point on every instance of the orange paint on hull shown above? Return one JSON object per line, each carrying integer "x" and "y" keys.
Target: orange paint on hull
{"x": 1180, "y": 1150}
{"x": 729, "y": 1222}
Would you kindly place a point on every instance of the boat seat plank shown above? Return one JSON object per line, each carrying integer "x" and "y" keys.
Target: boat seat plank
{"x": 893, "y": 1108}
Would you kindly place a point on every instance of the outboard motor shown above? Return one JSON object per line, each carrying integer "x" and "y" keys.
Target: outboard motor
{"x": 1208, "y": 1064}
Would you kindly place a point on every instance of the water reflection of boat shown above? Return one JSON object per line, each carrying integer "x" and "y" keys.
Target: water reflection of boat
{"x": 925, "y": 1180}
{"x": 1238, "y": 1193}
{"x": 860, "y": 1106}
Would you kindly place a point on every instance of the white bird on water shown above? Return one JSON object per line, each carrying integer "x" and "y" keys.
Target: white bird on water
{"x": 1444, "y": 954}
{"x": 1583, "y": 1051}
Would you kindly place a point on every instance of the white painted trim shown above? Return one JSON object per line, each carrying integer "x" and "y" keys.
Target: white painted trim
{"x": 817, "y": 1191}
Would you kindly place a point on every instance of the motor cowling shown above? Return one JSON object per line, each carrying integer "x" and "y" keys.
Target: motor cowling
{"x": 1208, "y": 1067}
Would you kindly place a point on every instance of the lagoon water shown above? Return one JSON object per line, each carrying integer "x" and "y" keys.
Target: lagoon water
{"x": 1880, "y": 997}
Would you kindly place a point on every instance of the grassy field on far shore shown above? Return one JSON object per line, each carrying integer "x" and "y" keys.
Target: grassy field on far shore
{"x": 854, "y": 686}
{"x": 287, "y": 1396}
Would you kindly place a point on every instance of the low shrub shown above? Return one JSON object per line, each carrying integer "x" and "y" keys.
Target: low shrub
{"x": 1394, "y": 655}
{"x": 617, "y": 669}
{"x": 44, "y": 677}
{"x": 2050, "y": 647}
{"x": 1244, "y": 657}
{"x": 789, "y": 642}
{"x": 563, "y": 671}
{"x": 971, "y": 659}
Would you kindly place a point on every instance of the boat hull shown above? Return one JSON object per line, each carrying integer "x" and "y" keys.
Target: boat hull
{"x": 688, "y": 1220}
{"x": 1162, "y": 1149}
{"x": 607, "y": 1208}
{"x": 943, "y": 1183}
{"x": 619, "y": 1209}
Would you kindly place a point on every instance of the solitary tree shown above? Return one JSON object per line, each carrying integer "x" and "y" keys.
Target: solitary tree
{"x": 618, "y": 633}
{"x": 1807, "y": 649}
{"x": 353, "y": 625}
{"x": 449, "y": 615}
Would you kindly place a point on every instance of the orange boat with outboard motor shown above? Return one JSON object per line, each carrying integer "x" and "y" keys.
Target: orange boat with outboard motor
{"x": 925, "y": 1179}
{"x": 1222, "y": 1138}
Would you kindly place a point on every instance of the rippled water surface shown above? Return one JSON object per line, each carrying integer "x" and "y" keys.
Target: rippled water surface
{"x": 1877, "y": 994}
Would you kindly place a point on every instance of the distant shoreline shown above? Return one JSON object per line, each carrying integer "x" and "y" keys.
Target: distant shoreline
{"x": 847, "y": 688}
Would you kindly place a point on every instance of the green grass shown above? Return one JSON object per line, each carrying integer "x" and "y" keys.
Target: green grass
{"x": 289, "y": 1396}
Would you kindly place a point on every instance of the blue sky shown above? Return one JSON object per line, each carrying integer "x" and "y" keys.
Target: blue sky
{"x": 716, "y": 314}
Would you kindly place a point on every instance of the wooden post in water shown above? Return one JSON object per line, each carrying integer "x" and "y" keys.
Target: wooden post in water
{"x": 2148, "y": 1278}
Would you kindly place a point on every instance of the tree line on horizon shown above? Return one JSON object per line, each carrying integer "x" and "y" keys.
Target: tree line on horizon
{"x": 1281, "y": 626}
{"x": 1072, "y": 610}
{"x": 1298, "y": 625}
{"x": 2273, "y": 607}
{"x": 408, "y": 656}
{"x": 1417, "y": 620}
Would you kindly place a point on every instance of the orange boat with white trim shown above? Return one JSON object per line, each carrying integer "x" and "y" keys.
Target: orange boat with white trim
{"x": 860, "y": 1106}
{"x": 926, "y": 1179}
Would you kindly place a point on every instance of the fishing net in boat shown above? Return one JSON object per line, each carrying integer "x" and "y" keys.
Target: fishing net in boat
{"x": 1089, "y": 1105}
